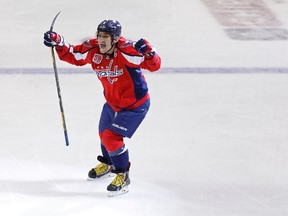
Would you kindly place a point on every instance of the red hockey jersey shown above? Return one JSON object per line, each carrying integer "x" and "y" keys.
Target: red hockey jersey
{"x": 124, "y": 84}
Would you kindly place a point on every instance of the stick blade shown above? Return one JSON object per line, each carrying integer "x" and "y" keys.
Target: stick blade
{"x": 52, "y": 24}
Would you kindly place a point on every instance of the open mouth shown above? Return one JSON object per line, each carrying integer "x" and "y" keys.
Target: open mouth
{"x": 102, "y": 46}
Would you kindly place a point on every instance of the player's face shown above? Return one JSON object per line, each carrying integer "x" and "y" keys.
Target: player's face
{"x": 105, "y": 42}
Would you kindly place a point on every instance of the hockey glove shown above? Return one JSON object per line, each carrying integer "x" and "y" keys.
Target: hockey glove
{"x": 144, "y": 47}
{"x": 53, "y": 39}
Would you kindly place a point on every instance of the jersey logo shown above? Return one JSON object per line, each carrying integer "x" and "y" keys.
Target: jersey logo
{"x": 110, "y": 74}
{"x": 97, "y": 58}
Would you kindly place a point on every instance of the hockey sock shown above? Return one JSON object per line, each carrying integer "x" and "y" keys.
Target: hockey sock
{"x": 121, "y": 161}
{"x": 106, "y": 154}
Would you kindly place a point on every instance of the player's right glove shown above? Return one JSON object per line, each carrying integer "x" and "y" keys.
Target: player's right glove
{"x": 53, "y": 39}
{"x": 144, "y": 47}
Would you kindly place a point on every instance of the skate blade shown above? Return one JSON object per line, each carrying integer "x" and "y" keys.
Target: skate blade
{"x": 124, "y": 190}
{"x": 102, "y": 177}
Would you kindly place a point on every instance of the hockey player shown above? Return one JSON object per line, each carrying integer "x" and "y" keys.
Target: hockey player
{"x": 117, "y": 62}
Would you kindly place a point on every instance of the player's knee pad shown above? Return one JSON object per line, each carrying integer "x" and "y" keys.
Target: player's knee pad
{"x": 112, "y": 141}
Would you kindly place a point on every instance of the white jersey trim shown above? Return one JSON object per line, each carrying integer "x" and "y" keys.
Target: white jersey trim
{"x": 137, "y": 60}
{"x": 78, "y": 56}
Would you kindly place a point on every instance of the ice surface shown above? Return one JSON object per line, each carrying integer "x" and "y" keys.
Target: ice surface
{"x": 213, "y": 144}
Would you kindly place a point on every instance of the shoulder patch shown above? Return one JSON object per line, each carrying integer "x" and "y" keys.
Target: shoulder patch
{"x": 87, "y": 43}
{"x": 126, "y": 44}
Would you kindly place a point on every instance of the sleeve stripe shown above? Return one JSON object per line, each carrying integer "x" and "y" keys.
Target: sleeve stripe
{"x": 134, "y": 59}
{"x": 77, "y": 55}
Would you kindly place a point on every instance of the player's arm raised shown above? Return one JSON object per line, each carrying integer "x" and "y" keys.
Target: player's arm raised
{"x": 76, "y": 55}
{"x": 152, "y": 60}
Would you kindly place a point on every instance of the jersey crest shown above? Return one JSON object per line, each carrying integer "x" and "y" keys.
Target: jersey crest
{"x": 110, "y": 74}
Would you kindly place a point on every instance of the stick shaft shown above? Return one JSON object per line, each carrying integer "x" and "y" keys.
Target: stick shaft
{"x": 58, "y": 88}
{"x": 59, "y": 97}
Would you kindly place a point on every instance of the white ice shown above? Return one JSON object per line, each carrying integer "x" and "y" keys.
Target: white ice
{"x": 213, "y": 144}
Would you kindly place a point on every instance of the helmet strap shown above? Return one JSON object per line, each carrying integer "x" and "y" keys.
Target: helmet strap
{"x": 114, "y": 41}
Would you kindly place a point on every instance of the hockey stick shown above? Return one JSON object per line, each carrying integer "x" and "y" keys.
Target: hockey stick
{"x": 58, "y": 86}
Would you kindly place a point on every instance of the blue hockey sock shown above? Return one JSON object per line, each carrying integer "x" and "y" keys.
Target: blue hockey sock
{"x": 106, "y": 154}
{"x": 121, "y": 161}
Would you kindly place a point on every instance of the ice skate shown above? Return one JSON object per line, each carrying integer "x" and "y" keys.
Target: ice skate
{"x": 102, "y": 170}
{"x": 119, "y": 185}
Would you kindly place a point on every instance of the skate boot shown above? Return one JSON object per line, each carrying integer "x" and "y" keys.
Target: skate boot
{"x": 102, "y": 170}
{"x": 120, "y": 183}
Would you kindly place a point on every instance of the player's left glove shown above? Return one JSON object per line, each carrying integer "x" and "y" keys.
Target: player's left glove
{"x": 144, "y": 47}
{"x": 53, "y": 39}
